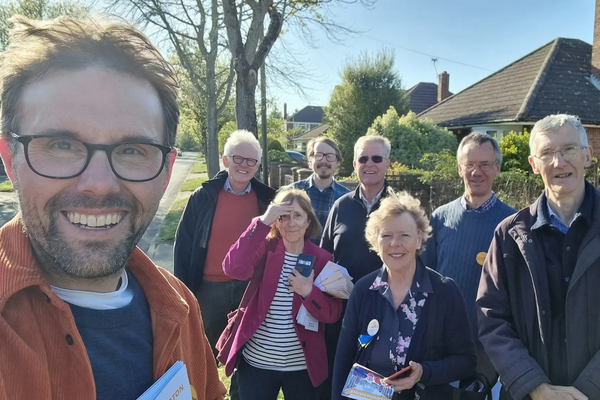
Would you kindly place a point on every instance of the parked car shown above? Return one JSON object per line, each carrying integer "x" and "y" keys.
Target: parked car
{"x": 179, "y": 152}
{"x": 297, "y": 157}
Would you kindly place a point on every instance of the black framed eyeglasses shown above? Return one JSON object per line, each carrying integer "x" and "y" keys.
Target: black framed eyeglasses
{"x": 59, "y": 157}
{"x": 375, "y": 159}
{"x": 251, "y": 162}
{"x": 331, "y": 157}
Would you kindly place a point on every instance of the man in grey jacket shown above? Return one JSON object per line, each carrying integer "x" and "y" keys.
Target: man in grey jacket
{"x": 538, "y": 295}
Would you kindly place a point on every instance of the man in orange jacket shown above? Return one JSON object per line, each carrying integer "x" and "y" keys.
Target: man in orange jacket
{"x": 89, "y": 118}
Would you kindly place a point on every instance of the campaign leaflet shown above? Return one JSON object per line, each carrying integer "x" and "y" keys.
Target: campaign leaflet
{"x": 364, "y": 384}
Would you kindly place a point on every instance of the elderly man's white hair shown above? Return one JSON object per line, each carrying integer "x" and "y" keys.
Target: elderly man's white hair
{"x": 363, "y": 141}
{"x": 242, "y": 136}
{"x": 552, "y": 123}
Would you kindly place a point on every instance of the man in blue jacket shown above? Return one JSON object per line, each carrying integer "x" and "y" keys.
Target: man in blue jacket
{"x": 344, "y": 232}
{"x": 538, "y": 295}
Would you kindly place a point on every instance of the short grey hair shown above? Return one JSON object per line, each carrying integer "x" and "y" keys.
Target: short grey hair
{"x": 552, "y": 123}
{"x": 371, "y": 139}
{"x": 239, "y": 137}
{"x": 479, "y": 138}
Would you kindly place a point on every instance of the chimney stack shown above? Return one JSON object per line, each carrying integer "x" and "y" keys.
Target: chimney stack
{"x": 444, "y": 85}
{"x": 285, "y": 108}
{"x": 596, "y": 43}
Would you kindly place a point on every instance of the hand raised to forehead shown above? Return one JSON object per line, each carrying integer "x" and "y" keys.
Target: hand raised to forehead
{"x": 275, "y": 211}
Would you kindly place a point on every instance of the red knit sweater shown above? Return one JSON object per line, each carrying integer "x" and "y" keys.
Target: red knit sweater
{"x": 232, "y": 217}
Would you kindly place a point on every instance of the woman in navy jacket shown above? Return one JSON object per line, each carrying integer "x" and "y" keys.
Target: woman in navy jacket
{"x": 271, "y": 349}
{"x": 389, "y": 310}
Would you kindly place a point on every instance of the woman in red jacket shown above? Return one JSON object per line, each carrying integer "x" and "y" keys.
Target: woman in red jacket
{"x": 271, "y": 350}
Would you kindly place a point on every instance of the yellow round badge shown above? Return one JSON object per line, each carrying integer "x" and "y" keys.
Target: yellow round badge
{"x": 480, "y": 258}
{"x": 194, "y": 393}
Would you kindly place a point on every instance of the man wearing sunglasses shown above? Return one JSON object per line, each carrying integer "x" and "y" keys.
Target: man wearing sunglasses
{"x": 216, "y": 215}
{"x": 344, "y": 232}
{"x": 323, "y": 157}
{"x": 463, "y": 229}
{"x": 538, "y": 296}
{"x": 89, "y": 119}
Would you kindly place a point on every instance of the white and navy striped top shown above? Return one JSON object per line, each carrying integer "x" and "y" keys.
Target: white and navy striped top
{"x": 275, "y": 345}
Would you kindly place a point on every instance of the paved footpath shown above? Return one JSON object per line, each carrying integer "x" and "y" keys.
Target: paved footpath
{"x": 8, "y": 206}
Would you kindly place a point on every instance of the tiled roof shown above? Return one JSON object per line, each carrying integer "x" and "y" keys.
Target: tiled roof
{"x": 313, "y": 133}
{"x": 422, "y": 96}
{"x": 552, "y": 79}
{"x": 312, "y": 114}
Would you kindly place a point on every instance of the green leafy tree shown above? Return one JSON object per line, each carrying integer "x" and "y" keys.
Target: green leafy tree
{"x": 515, "y": 151}
{"x": 224, "y": 134}
{"x": 35, "y": 9}
{"x": 412, "y": 137}
{"x": 275, "y": 131}
{"x": 369, "y": 87}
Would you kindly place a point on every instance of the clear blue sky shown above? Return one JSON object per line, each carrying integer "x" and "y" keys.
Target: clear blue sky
{"x": 484, "y": 33}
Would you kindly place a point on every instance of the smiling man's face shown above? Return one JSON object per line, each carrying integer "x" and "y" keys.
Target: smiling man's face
{"x": 562, "y": 177}
{"x": 87, "y": 226}
{"x": 242, "y": 173}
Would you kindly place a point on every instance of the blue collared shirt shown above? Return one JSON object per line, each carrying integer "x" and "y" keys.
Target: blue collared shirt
{"x": 321, "y": 200}
{"x": 489, "y": 203}
{"x": 229, "y": 189}
{"x": 397, "y": 328}
{"x": 556, "y": 222}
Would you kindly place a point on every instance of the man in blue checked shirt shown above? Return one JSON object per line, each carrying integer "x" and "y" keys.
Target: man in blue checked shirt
{"x": 323, "y": 157}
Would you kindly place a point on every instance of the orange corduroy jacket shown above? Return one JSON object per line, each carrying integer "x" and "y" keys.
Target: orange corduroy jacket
{"x": 42, "y": 355}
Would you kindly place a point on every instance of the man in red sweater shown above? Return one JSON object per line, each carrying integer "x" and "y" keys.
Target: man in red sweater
{"x": 216, "y": 215}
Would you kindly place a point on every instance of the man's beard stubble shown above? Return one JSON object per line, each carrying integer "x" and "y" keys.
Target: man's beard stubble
{"x": 92, "y": 259}
{"x": 324, "y": 175}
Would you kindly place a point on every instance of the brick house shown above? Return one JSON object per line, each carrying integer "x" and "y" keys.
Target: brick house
{"x": 562, "y": 76}
{"x": 426, "y": 94}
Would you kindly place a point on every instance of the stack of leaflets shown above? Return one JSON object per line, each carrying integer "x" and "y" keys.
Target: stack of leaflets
{"x": 364, "y": 384}
{"x": 335, "y": 280}
{"x": 173, "y": 384}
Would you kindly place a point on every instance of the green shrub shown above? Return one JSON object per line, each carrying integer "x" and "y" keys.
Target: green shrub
{"x": 515, "y": 151}
{"x": 411, "y": 137}
{"x": 279, "y": 156}
{"x": 274, "y": 144}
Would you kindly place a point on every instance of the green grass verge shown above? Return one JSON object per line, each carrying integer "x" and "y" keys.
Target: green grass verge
{"x": 199, "y": 168}
{"x": 169, "y": 227}
{"x": 192, "y": 184}
{"x": 6, "y": 186}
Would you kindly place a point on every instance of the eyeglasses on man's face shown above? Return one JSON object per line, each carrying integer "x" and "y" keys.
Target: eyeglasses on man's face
{"x": 331, "y": 157}
{"x": 59, "y": 157}
{"x": 568, "y": 153}
{"x": 375, "y": 159}
{"x": 251, "y": 162}
{"x": 484, "y": 166}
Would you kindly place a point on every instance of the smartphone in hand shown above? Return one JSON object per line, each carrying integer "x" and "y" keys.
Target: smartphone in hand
{"x": 304, "y": 264}
{"x": 403, "y": 373}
